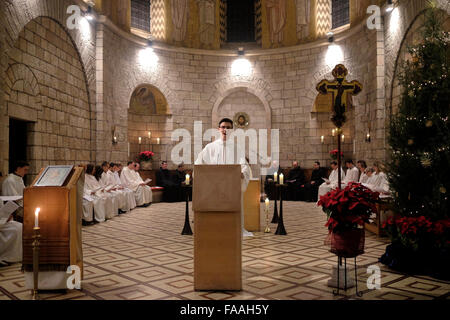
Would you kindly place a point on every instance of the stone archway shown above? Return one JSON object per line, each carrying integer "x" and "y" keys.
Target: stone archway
{"x": 240, "y": 92}
{"x": 149, "y": 118}
{"x": 48, "y": 89}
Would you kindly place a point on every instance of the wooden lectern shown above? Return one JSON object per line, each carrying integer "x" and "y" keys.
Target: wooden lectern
{"x": 252, "y": 206}
{"x": 217, "y": 228}
{"x": 60, "y": 229}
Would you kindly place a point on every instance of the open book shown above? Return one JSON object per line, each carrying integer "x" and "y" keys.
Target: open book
{"x": 6, "y": 211}
{"x": 147, "y": 181}
{"x": 326, "y": 180}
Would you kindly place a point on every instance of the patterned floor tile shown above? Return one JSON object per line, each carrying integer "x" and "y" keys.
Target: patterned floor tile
{"x": 142, "y": 255}
{"x": 139, "y": 292}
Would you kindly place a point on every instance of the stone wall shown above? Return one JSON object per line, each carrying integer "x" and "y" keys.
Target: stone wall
{"x": 75, "y": 86}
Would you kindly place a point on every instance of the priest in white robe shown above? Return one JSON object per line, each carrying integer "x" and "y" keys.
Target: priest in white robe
{"x": 115, "y": 168}
{"x": 223, "y": 151}
{"x": 332, "y": 181}
{"x": 13, "y": 185}
{"x": 352, "y": 174}
{"x": 129, "y": 179}
{"x": 10, "y": 241}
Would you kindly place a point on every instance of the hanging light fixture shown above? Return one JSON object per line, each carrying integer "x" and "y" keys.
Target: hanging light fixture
{"x": 241, "y": 66}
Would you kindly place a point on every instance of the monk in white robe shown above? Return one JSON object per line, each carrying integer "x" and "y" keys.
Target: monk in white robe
{"x": 129, "y": 193}
{"x": 147, "y": 190}
{"x": 107, "y": 180}
{"x": 352, "y": 174}
{"x": 377, "y": 181}
{"x": 332, "y": 182}
{"x": 13, "y": 185}
{"x": 103, "y": 205}
{"x": 10, "y": 241}
{"x": 362, "y": 166}
{"x": 223, "y": 151}
{"x": 108, "y": 193}
{"x": 129, "y": 179}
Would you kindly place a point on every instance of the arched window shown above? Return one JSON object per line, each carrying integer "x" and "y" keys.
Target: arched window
{"x": 140, "y": 14}
{"x": 340, "y": 13}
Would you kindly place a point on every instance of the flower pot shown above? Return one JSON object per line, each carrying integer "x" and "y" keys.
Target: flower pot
{"x": 146, "y": 165}
{"x": 347, "y": 244}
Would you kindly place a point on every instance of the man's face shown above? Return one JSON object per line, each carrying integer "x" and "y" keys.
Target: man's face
{"x": 115, "y": 169}
{"x": 105, "y": 168}
{"x": 358, "y": 165}
{"x": 316, "y": 166}
{"x": 22, "y": 171}
{"x": 137, "y": 167}
{"x": 164, "y": 166}
{"x": 181, "y": 168}
{"x": 295, "y": 164}
{"x": 333, "y": 166}
{"x": 349, "y": 165}
{"x": 369, "y": 173}
{"x": 224, "y": 129}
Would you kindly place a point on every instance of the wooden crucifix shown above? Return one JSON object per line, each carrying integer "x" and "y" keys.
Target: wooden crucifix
{"x": 339, "y": 88}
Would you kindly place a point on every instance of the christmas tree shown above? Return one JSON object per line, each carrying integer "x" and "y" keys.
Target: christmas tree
{"x": 419, "y": 169}
{"x": 419, "y": 173}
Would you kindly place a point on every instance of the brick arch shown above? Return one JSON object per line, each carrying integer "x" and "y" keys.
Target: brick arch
{"x": 158, "y": 83}
{"x": 26, "y": 11}
{"x": 393, "y": 83}
{"x": 21, "y": 72}
{"x": 240, "y": 88}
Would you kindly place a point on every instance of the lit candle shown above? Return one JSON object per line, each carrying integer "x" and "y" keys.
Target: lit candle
{"x": 368, "y": 136}
{"x": 158, "y": 141}
{"x": 149, "y": 134}
{"x": 333, "y": 132}
{"x": 281, "y": 178}
{"x": 322, "y": 139}
{"x": 140, "y": 140}
{"x": 275, "y": 176}
{"x": 115, "y": 139}
{"x": 267, "y": 203}
{"x": 36, "y": 217}
{"x": 187, "y": 179}
{"x": 343, "y": 138}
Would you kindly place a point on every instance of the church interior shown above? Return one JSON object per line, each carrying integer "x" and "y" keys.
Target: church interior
{"x": 108, "y": 110}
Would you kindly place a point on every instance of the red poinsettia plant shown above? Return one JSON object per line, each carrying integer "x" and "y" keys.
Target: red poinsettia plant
{"x": 334, "y": 154}
{"x": 418, "y": 232}
{"x": 348, "y": 208}
{"x": 146, "y": 156}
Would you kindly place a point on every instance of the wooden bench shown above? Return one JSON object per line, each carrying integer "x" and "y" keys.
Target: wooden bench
{"x": 384, "y": 209}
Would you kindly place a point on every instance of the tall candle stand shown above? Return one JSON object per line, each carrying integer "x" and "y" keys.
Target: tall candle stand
{"x": 267, "y": 229}
{"x": 280, "y": 228}
{"x": 35, "y": 245}
{"x": 275, "y": 208}
{"x": 187, "y": 227}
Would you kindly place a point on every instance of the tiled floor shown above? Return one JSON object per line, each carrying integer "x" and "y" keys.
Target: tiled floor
{"x": 141, "y": 255}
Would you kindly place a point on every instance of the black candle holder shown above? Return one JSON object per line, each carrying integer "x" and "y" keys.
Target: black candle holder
{"x": 281, "y": 231}
{"x": 275, "y": 208}
{"x": 187, "y": 226}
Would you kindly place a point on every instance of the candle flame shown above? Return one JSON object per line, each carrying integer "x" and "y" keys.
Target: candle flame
{"x": 36, "y": 213}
